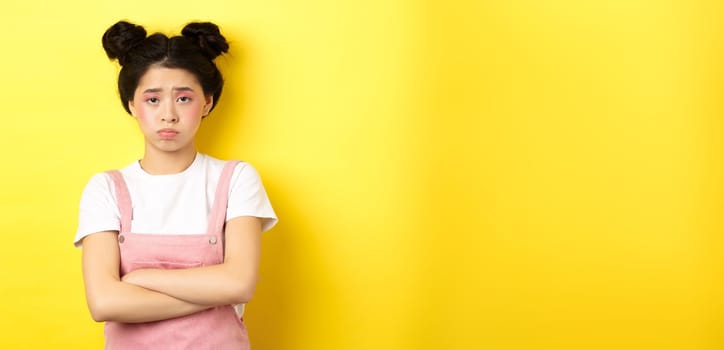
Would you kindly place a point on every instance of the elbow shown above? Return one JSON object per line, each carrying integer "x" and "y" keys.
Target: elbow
{"x": 242, "y": 293}
{"x": 103, "y": 308}
{"x": 99, "y": 310}
{"x": 98, "y": 317}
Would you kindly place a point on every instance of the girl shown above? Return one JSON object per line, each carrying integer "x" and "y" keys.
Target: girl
{"x": 171, "y": 242}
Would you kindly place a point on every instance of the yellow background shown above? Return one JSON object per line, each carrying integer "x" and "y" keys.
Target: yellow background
{"x": 449, "y": 174}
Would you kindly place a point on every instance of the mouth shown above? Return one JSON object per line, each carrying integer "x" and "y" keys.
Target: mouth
{"x": 167, "y": 134}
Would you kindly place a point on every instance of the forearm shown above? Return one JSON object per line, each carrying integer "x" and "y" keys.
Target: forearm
{"x": 128, "y": 303}
{"x": 207, "y": 285}
{"x": 231, "y": 282}
{"x": 110, "y": 299}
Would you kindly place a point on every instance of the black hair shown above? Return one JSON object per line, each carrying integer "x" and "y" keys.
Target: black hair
{"x": 194, "y": 51}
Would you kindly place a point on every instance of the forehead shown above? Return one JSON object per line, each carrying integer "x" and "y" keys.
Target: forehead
{"x": 157, "y": 77}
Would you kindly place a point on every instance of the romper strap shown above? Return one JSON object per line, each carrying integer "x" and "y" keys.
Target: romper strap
{"x": 217, "y": 218}
{"x": 123, "y": 199}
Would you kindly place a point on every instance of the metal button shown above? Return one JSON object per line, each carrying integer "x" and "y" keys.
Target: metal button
{"x": 212, "y": 240}
{"x": 121, "y": 238}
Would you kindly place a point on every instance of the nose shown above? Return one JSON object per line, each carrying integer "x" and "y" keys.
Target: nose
{"x": 169, "y": 114}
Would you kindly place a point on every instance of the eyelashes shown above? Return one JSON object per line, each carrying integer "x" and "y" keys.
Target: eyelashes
{"x": 156, "y": 100}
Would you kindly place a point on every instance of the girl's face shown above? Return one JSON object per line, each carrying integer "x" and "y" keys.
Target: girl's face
{"x": 169, "y": 105}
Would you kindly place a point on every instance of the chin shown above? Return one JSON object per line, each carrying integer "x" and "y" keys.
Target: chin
{"x": 169, "y": 148}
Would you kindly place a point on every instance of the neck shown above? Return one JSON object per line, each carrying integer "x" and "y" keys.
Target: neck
{"x": 157, "y": 162}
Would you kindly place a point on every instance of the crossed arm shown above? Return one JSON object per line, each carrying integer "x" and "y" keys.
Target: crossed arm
{"x": 154, "y": 294}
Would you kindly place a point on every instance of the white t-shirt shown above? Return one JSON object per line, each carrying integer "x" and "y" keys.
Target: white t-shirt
{"x": 173, "y": 204}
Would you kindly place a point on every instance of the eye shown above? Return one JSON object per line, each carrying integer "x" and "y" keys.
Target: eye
{"x": 152, "y": 100}
{"x": 183, "y": 99}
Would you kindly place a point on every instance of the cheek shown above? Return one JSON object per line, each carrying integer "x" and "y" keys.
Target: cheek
{"x": 193, "y": 113}
{"x": 143, "y": 113}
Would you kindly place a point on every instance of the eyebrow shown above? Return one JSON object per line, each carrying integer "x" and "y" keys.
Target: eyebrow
{"x": 181, "y": 88}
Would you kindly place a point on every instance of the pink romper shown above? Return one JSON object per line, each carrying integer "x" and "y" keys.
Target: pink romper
{"x": 215, "y": 328}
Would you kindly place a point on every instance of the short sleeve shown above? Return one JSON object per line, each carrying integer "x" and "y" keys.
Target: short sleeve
{"x": 98, "y": 208}
{"x": 247, "y": 197}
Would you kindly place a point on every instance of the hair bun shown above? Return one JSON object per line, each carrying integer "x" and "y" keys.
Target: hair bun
{"x": 207, "y": 36}
{"x": 120, "y": 38}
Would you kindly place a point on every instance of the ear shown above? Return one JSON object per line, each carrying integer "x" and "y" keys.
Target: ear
{"x": 208, "y": 105}
{"x": 132, "y": 108}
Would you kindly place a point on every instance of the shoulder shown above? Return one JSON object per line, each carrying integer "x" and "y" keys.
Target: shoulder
{"x": 245, "y": 173}
{"x": 209, "y": 161}
{"x": 214, "y": 167}
{"x": 99, "y": 183}
{"x": 98, "y": 192}
{"x": 98, "y": 210}
{"x": 209, "y": 164}
{"x": 99, "y": 195}
{"x": 248, "y": 197}
{"x": 244, "y": 180}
